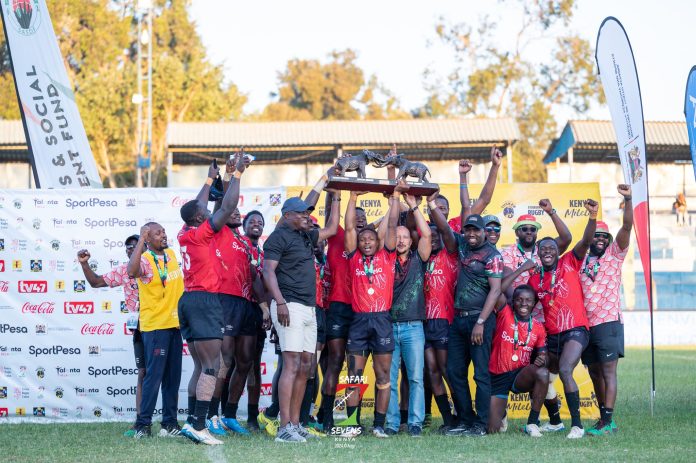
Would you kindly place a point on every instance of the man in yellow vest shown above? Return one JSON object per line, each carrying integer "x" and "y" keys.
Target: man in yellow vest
{"x": 160, "y": 284}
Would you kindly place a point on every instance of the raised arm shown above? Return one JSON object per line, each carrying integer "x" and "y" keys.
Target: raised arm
{"x": 350, "y": 235}
{"x": 313, "y": 195}
{"x": 231, "y": 198}
{"x": 441, "y": 223}
{"x": 393, "y": 215}
{"x": 464, "y": 168}
{"x": 583, "y": 245}
{"x": 509, "y": 276}
{"x": 486, "y": 195}
{"x": 564, "y": 236}
{"x": 488, "y": 307}
{"x": 424, "y": 242}
{"x": 134, "y": 262}
{"x": 623, "y": 237}
{"x": 334, "y": 215}
{"x": 94, "y": 280}
{"x": 202, "y": 196}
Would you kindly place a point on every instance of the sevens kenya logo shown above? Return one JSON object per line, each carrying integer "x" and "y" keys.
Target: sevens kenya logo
{"x": 32, "y": 286}
{"x": 78, "y": 308}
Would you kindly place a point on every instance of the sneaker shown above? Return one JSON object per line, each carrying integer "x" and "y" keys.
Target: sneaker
{"x": 130, "y": 432}
{"x": 315, "y": 425}
{"x": 263, "y": 420}
{"x": 142, "y": 432}
{"x": 253, "y": 426}
{"x": 303, "y": 432}
{"x": 391, "y": 432}
{"x": 444, "y": 429}
{"x": 548, "y": 427}
{"x": 504, "y": 425}
{"x": 532, "y": 430}
{"x": 575, "y": 433}
{"x": 475, "y": 431}
{"x": 214, "y": 426}
{"x": 459, "y": 430}
{"x": 199, "y": 437}
{"x": 232, "y": 425}
{"x": 403, "y": 427}
{"x": 379, "y": 432}
{"x": 614, "y": 427}
{"x": 600, "y": 429}
{"x": 428, "y": 420}
{"x": 415, "y": 431}
{"x": 172, "y": 430}
{"x": 287, "y": 434}
{"x": 315, "y": 432}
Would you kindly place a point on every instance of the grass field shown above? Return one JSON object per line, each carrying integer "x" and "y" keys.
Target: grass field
{"x": 669, "y": 436}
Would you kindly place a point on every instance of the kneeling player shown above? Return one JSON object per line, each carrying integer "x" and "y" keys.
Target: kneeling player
{"x": 517, "y": 337}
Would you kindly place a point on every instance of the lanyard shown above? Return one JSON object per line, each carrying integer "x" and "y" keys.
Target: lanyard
{"x": 369, "y": 271}
{"x": 595, "y": 268}
{"x": 523, "y": 253}
{"x": 322, "y": 266}
{"x": 431, "y": 265}
{"x": 529, "y": 331}
{"x": 553, "y": 282}
{"x": 244, "y": 243}
{"x": 162, "y": 272}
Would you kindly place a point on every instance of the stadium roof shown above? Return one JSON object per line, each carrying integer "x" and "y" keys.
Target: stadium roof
{"x": 595, "y": 141}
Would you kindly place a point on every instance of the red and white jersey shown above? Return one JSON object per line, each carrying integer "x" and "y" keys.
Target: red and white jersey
{"x": 339, "y": 268}
{"x": 503, "y": 350}
{"x": 601, "y": 285}
{"x": 376, "y": 295}
{"x": 455, "y": 224}
{"x": 323, "y": 277}
{"x": 198, "y": 258}
{"x": 119, "y": 277}
{"x": 233, "y": 254}
{"x": 440, "y": 281}
{"x": 513, "y": 258}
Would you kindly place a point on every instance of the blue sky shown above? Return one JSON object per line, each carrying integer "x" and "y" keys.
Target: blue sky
{"x": 254, "y": 40}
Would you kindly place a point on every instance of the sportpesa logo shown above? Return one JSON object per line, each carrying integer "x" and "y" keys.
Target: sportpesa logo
{"x": 113, "y": 371}
{"x": 110, "y": 222}
{"x": 92, "y": 202}
{"x": 53, "y": 350}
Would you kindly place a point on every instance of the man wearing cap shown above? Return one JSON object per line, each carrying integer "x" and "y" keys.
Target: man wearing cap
{"x": 119, "y": 277}
{"x": 289, "y": 277}
{"x": 471, "y": 333}
{"x": 601, "y": 282}
{"x": 492, "y": 224}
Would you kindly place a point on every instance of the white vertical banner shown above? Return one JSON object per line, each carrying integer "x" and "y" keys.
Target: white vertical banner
{"x": 56, "y": 137}
{"x": 65, "y": 352}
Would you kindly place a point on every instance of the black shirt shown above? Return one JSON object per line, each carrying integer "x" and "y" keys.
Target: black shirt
{"x": 476, "y": 265}
{"x": 294, "y": 252}
{"x": 409, "y": 298}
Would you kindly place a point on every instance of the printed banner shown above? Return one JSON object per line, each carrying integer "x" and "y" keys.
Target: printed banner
{"x": 690, "y": 113}
{"x": 617, "y": 70}
{"x": 57, "y": 141}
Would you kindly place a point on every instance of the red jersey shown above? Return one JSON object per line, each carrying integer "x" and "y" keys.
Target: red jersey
{"x": 455, "y": 224}
{"x": 198, "y": 258}
{"x": 233, "y": 254}
{"x": 323, "y": 285}
{"x": 376, "y": 295}
{"x": 440, "y": 281}
{"x": 504, "y": 350}
{"x": 339, "y": 268}
{"x": 562, "y": 300}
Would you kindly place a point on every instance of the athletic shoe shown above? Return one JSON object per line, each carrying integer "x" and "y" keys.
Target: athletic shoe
{"x": 214, "y": 426}
{"x": 173, "y": 430}
{"x": 475, "y": 431}
{"x": 378, "y": 431}
{"x": 264, "y": 421}
{"x": 130, "y": 432}
{"x": 199, "y": 437}
{"x": 600, "y": 429}
{"x": 548, "y": 427}
{"x": 391, "y": 432}
{"x": 302, "y": 431}
{"x": 142, "y": 432}
{"x": 428, "y": 420}
{"x": 315, "y": 432}
{"x": 458, "y": 430}
{"x": 504, "y": 425}
{"x": 232, "y": 425}
{"x": 415, "y": 431}
{"x": 287, "y": 434}
{"x": 532, "y": 430}
{"x": 444, "y": 429}
{"x": 315, "y": 425}
{"x": 576, "y": 433}
{"x": 614, "y": 427}
{"x": 253, "y": 426}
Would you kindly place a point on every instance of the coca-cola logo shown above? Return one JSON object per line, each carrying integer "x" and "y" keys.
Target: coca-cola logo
{"x": 178, "y": 201}
{"x": 44, "y": 307}
{"x": 101, "y": 330}
{"x": 4, "y": 286}
{"x": 32, "y": 286}
{"x": 79, "y": 308}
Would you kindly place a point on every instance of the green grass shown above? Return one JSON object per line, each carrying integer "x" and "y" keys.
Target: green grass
{"x": 668, "y": 436}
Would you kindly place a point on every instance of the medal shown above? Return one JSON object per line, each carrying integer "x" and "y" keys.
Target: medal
{"x": 254, "y": 262}
{"x": 516, "y": 342}
{"x": 371, "y": 291}
{"x": 593, "y": 289}
{"x": 515, "y": 357}
{"x": 551, "y": 303}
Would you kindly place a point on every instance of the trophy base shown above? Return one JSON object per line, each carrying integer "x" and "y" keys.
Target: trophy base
{"x": 377, "y": 185}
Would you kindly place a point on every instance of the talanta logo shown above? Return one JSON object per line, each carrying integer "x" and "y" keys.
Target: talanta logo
{"x": 79, "y": 308}
{"x": 32, "y": 286}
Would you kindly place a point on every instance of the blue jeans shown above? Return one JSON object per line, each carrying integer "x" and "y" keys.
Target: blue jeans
{"x": 409, "y": 343}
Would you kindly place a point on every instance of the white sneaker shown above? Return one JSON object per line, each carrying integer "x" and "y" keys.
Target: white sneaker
{"x": 287, "y": 434}
{"x": 201, "y": 437}
{"x": 548, "y": 427}
{"x": 302, "y": 432}
{"x": 532, "y": 430}
{"x": 504, "y": 425}
{"x": 576, "y": 433}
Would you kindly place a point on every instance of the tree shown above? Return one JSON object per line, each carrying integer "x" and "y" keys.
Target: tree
{"x": 311, "y": 90}
{"x": 491, "y": 81}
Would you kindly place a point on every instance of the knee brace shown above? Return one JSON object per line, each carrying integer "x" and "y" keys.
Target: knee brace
{"x": 381, "y": 387}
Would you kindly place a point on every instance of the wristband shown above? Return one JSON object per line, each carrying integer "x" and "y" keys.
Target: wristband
{"x": 226, "y": 178}
{"x": 413, "y": 209}
{"x": 336, "y": 199}
{"x": 628, "y": 198}
{"x": 281, "y": 303}
{"x": 553, "y": 212}
{"x": 237, "y": 174}
{"x": 463, "y": 185}
{"x": 208, "y": 181}
{"x": 480, "y": 321}
{"x": 320, "y": 184}
{"x": 432, "y": 205}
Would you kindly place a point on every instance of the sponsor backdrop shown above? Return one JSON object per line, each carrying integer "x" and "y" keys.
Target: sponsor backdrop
{"x": 64, "y": 350}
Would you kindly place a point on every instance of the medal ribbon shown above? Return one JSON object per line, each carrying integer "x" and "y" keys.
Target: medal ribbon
{"x": 162, "y": 272}
{"x": 369, "y": 271}
{"x": 529, "y": 332}
{"x": 595, "y": 268}
{"x": 522, "y": 251}
{"x": 553, "y": 282}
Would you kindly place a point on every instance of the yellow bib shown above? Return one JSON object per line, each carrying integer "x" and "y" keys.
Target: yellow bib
{"x": 159, "y": 303}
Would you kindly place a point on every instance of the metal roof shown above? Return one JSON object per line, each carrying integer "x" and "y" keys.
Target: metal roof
{"x": 333, "y": 133}
{"x": 594, "y": 141}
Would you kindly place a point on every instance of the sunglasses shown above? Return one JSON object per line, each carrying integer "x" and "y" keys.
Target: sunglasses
{"x": 602, "y": 235}
{"x": 527, "y": 229}
{"x": 130, "y": 246}
{"x": 490, "y": 228}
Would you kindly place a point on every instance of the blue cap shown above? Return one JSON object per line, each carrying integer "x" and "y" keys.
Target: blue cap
{"x": 491, "y": 219}
{"x": 296, "y": 204}
{"x": 474, "y": 220}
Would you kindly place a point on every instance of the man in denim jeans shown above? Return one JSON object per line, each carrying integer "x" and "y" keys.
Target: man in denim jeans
{"x": 471, "y": 333}
{"x": 408, "y": 313}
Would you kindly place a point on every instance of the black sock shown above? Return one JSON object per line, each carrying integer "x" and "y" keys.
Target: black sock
{"x": 214, "y": 406}
{"x": 320, "y": 414}
{"x": 327, "y": 405}
{"x": 608, "y": 415}
{"x": 553, "y": 407}
{"x": 573, "y": 399}
{"x": 428, "y": 393}
{"x": 352, "y": 410}
{"x": 252, "y": 413}
{"x": 379, "y": 419}
{"x": 602, "y": 414}
{"x": 307, "y": 402}
{"x": 231, "y": 410}
{"x": 444, "y": 407}
{"x": 404, "y": 416}
{"x": 533, "y": 417}
{"x": 201, "y": 411}
{"x": 191, "y": 405}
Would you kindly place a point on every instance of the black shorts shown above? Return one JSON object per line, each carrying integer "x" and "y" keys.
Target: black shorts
{"x": 555, "y": 342}
{"x": 338, "y": 320}
{"x": 371, "y": 332}
{"x": 258, "y": 320}
{"x": 504, "y": 383}
{"x": 321, "y": 325}
{"x": 606, "y": 343}
{"x": 200, "y": 316}
{"x": 138, "y": 349}
{"x": 239, "y": 315}
{"x": 436, "y": 333}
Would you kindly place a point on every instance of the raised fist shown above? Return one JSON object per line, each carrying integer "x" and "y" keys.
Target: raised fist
{"x": 545, "y": 204}
{"x": 496, "y": 156}
{"x": 624, "y": 190}
{"x": 464, "y": 166}
{"x": 83, "y": 256}
{"x": 592, "y": 206}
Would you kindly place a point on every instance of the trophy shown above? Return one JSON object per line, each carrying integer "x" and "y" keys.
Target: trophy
{"x": 358, "y": 162}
